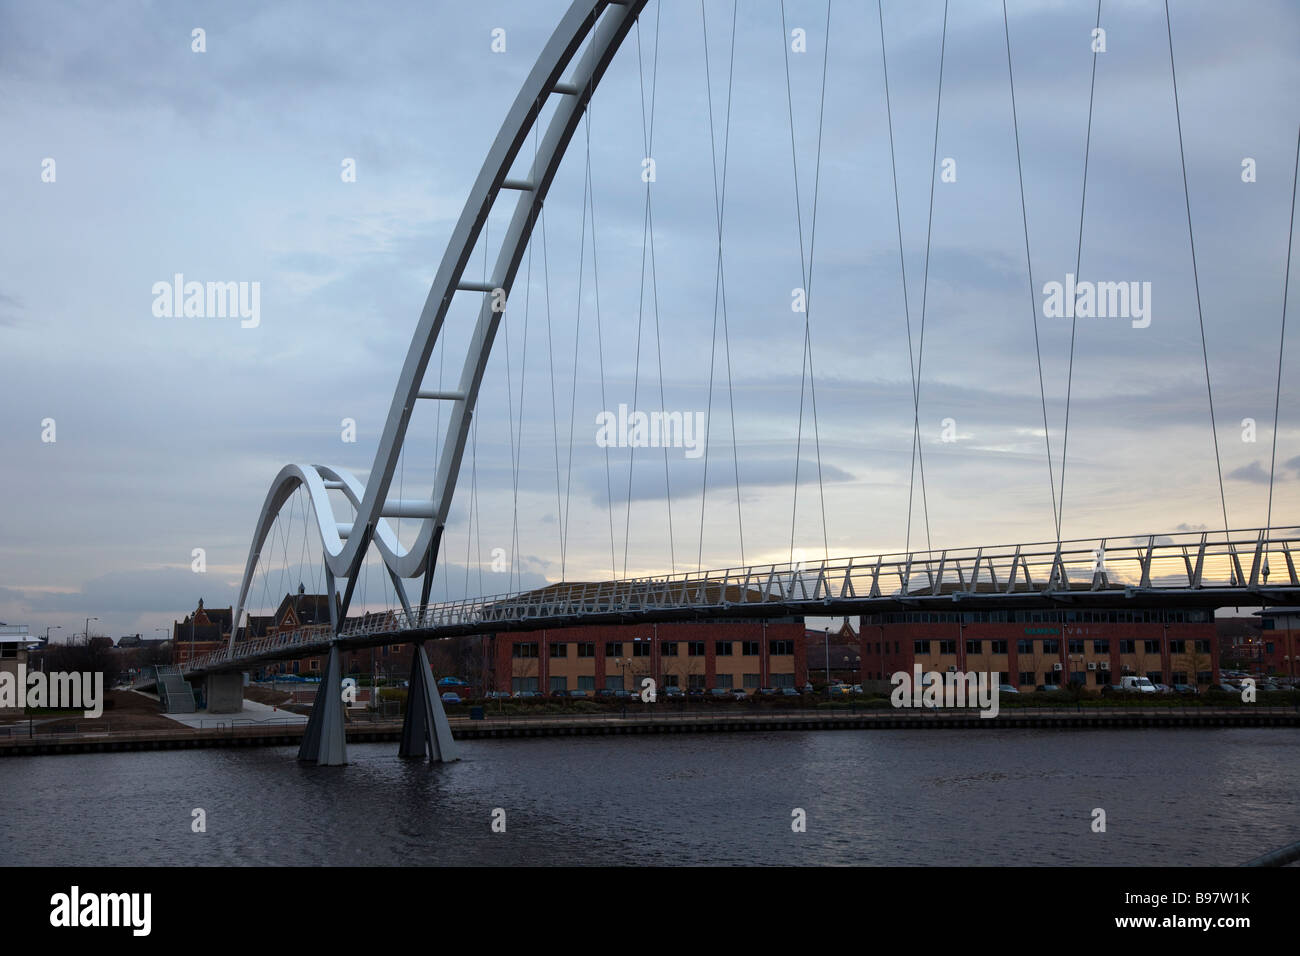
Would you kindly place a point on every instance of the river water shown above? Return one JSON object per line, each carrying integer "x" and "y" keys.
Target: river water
{"x": 911, "y": 797}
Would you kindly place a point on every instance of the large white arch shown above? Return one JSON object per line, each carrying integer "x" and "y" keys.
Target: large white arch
{"x": 343, "y": 546}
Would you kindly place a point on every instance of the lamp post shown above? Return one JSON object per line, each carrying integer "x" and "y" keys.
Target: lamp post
{"x": 88, "y": 620}
{"x": 827, "y": 648}
{"x": 57, "y": 627}
{"x": 622, "y": 662}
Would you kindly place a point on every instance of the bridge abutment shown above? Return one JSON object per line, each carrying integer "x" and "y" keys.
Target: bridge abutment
{"x": 224, "y": 693}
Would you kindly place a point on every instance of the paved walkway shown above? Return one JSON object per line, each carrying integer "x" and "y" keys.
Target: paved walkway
{"x": 253, "y": 713}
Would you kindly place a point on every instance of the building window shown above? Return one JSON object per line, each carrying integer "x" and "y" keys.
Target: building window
{"x": 1026, "y": 677}
{"x": 1025, "y": 647}
{"x": 722, "y": 680}
{"x": 1179, "y": 677}
{"x": 695, "y": 648}
{"x": 1178, "y": 647}
{"x": 1101, "y": 647}
{"x": 559, "y": 683}
{"x": 780, "y": 648}
{"x": 613, "y": 649}
{"x": 782, "y": 680}
{"x": 670, "y": 680}
{"x": 587, "y": 682}
{"x": 974, "y": 647}
{"x": 722, "y": 648}
{"x": 999, "y": 647}
{"x": 1202, "y": 647}
{"x": 1076, "y": 645}
{"x": 1051, "y": 677}
{"x": 1079, "y": 677}
{"x": 1155, "y": 677}
{"x": 1204, "y": 677}
{"x": 694, "y": 680}
{"x": 751, "y": 681}
{"x": 559, "y": 650}
{"x": 614, "y": 681}
{"x": 1151, "y": 647}
{"x": 749, "y": 648}
{"x": 1128, "y": 647}
{"x": 920, "y": 647}
{"x": 1051, "y": 645}
{"x": 523, "y": 683}
{"x": 947, "y": 647}
{"x": 668, "y": 649}
{"x": 640, "y": 648}
{"x": 523, "y": 649}
{"x": 586, "y": 649}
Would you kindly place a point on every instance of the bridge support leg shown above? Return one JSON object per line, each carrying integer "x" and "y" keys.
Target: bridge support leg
{"x": 425, "y": 729}
{"x": 324, "y": 740}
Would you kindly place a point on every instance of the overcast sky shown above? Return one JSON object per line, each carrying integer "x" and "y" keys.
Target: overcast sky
{"x": 225, "y": 165}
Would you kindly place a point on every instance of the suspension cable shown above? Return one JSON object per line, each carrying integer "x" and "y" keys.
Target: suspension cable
{"x": 647, "y": 140}
{"x": 1187, "y": 201}
{"x": 1074, "y": 312}
{"x": 1029, "y": 266}
{"x": 1286, "y": 284}
{"x": 805, "y": 270}
{"x": 719, "y": 280}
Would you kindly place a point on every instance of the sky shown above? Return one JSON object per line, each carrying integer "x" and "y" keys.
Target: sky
{"x": 227, "y": 165}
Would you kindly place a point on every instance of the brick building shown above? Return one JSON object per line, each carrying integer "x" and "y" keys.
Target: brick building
{"x": 1280, "y": 636}
{"x": 1032, "y": 648}
{"x": 729, "y": 654}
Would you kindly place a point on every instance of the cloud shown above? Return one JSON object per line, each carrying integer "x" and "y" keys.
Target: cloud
{"x": 1254, "y": 472}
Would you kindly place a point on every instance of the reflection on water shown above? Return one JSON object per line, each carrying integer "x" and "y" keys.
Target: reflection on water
{"x": 898, "y": 797}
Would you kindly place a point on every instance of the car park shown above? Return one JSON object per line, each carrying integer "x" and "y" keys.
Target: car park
{"x": 450, "y": 697}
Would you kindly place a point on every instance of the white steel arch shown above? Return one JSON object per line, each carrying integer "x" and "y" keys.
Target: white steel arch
{"x": 343, "y": 545}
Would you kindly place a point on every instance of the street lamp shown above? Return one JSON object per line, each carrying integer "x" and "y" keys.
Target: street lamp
{"x": 88, "y": 620}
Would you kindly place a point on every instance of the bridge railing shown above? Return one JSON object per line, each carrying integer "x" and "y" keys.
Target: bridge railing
{"x": 1258, "y": 561}
{"x": 1239, "y": 560}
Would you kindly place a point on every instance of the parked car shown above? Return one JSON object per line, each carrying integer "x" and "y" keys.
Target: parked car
{"x": 450, "y": 697}
{"x": 496, "y": 694}
{"x": 1007, "y": 689}
{"x": 525, "y": 694}
{"x": 1226, "y": 688}
{"x": 577, "y": 693}
{"x": 696, "y": 692}
{"x": 604, "y": 692}
{"x": 856, "y": 689}
{"x": 1185, "y": 689}
{"x": 559, "y": 693}
{"x": 739, "y": 695}
{"x": 719, "y": 692}
{"x": 1163, "y": 688}
{"x": 621, "y": 694}
{"x": 1044, "y": 688}
{"x": 673, "y": 691}
{"x": 1112, "y": 689}
{"x": 789, "y": 692}
{"x": 767, "y": 692}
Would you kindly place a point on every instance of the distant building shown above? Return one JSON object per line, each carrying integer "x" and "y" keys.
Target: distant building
{"x": 1280, "y": 640}
{"x": 1030, "y": 648}
{"x": 722, "y": 654}
{"x": 843, "y": 651}
{"x": 202, "y": 632}
{"x": 15, "y": 643}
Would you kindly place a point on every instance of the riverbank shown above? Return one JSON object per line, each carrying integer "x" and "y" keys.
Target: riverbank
{"x": 232, "y": 734}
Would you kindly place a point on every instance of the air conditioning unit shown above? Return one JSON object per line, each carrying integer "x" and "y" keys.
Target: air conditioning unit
{"x": 1105, "y": 665}
{"x": 1057, "y": 666}
{"x": 1092, "y": 666}
{"x": 952, "y": 668}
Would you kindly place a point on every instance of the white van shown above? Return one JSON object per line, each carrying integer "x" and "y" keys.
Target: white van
{"x": 1141, "y": 685}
